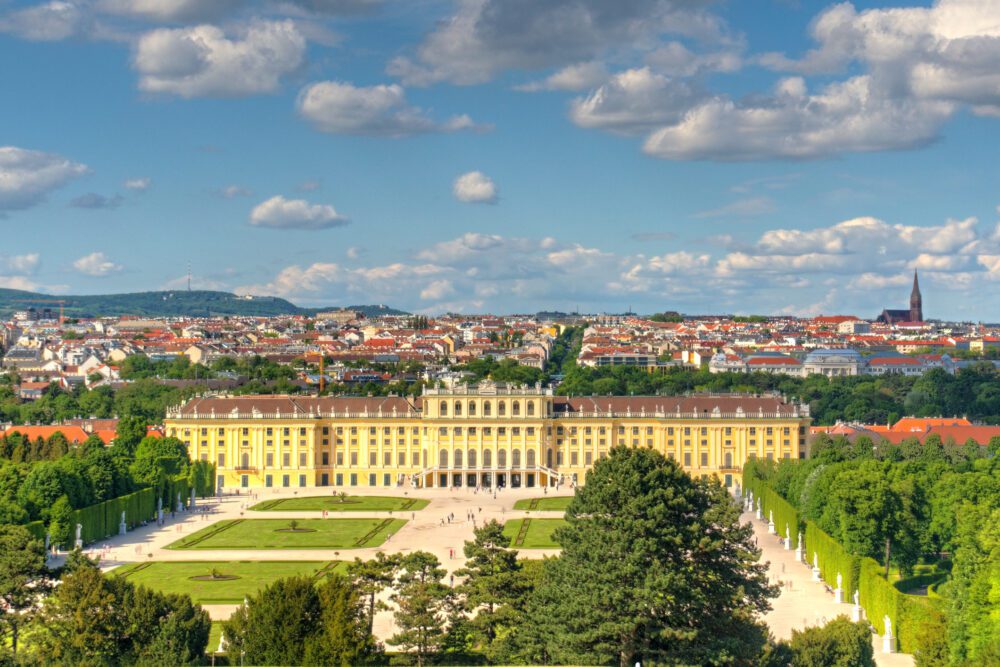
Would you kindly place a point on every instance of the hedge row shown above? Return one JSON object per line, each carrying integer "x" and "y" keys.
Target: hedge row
{"x": 103, "y": 520}
{"x": 772, "y": 504}
{"x": 909, "y": 614}
{"x": 833, "y": 559}
{"x": 36, "y": 528}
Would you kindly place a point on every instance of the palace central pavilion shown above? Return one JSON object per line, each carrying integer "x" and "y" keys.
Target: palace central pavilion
{"x": 486, "y": 435}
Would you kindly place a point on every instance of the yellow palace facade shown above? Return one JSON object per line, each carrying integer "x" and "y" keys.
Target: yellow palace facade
{"x": 483, "y": 435}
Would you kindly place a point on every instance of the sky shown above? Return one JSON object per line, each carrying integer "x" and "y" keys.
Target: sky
{"x": 774, "y": 157}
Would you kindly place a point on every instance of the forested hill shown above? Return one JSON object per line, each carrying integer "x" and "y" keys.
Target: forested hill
{"x": 197, "y": 303}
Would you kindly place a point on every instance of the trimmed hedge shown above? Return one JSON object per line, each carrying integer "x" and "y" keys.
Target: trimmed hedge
{"x": 37, "y": 529}
{"x": 833, "y": 558}
{"x": 903, "y": 585}
{"x": 102, "y": 520}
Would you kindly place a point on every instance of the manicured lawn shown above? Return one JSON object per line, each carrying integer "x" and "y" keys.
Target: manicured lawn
{"x": 273, "y": 534}
{"x": 350, "y": 504}
{"x": 544, "y": 504}
{"x": 537, "y": 536}
{"x": 175, "y": 577}
{"x": 213, "y": 637}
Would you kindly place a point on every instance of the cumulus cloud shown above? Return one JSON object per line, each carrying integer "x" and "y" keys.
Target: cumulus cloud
{"x": 437, "y": 290}
{"x": 486, "y": 37}
{"x": 580, "y": 76}
{"x": 47, "y": 22}
{"x": 140, "y": 184}
{"x": 280, "y": 213}
{"x": 342, "y": 108}
{"x": 20, "y": 264}
{"x": 475, "y": 187}
{"x": 27, "y": 176}
{"x": 96, "y": 264}
{"x": 94, "y": 201}
{"x": 203, "y": 61}
{"x": 634, "y": 101}
{"x": 852, "y": 116}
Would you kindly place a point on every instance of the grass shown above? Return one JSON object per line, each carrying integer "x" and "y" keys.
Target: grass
{"x": 350, "y": 504}
{"x": 554, "y": 504}
{"x": 532, "y": 533}
{"x": 175, "y": 577}
{"x": 213, "y": 637}
{"x": 311, "y": 534}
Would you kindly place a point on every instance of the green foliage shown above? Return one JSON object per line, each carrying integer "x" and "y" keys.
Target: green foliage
{"x": 839, "y": 643}
{"x": 973, "y": 594}
{"x": 156, "y": 459}
{"x": 23, "y": 576}
{"x": 94, "y": 620}
{"x": 833, "y": 559}
{"x": 655, "y": 566}
{"x": 423, "y": 605}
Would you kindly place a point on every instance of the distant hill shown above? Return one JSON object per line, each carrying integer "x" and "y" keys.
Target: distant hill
{"x": 198, "y": 303}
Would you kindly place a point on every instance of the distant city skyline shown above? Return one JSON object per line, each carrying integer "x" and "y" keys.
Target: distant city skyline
{"x": 507, "y": 156}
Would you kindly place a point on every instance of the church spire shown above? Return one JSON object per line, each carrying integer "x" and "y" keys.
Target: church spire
{"x": 916, "y": 302}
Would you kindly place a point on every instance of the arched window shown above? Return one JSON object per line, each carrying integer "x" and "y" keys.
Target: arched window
{"x": 531, "y": 408}
{"x": 443, "y": 458}
{"x": 458, "y": 458}
{"x": 515, "y": 408}
{"x": 472, "y": 408}
{"x": 502, "y": 458}
{"x": 486, "y": 409}
{"x": 444, "y": 408}
{"x": 531, "y": 457}
{"x": 487, "y": 458}
{"x": 548, "y": 458}
{"x": 728, "y": 460}
{"x": 458, "y": 408}
{"x": 472, "y": 458}
{"x": 501, "y": 408}
{"x": 244, "y": 461}
{"x": 516, "y": 458}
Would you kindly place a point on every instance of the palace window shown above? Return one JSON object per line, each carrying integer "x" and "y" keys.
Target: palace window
{"x": 444, "y": 408}
{"x": 472, "y": 409}
{"x": 269, "y": 458}
{"x": 372, "y": 458}
{"x": 531, "y": 409}
{"x": 486, "y": 409}
{"x": 458, "y": 408}
{"x": 286, "y": 459}
{"x": 515, "y": 408}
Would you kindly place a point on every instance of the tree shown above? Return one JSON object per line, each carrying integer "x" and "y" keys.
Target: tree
{"x": 839, "y": 643}
{"x": 974, "y": 590}
{"x": 655, "y": 566}
{"x": 23, "y": 579}
{"x": 344, "y": 637}
{"x": 371, "y": 577}
{"x": 493, "y": 591}
{"x": 422, "y": 606}
{"x": 158, "y": 458}
{"x": 131, "y": 430}
{"x": 275, "y": 625}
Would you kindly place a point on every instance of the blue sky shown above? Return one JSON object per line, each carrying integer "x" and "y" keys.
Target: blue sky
{"x": 507, "y": 156}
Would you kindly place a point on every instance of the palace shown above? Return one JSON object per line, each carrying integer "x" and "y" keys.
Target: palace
{"x": 482, "y": 435}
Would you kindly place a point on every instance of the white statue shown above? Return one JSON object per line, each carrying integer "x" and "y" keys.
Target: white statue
{"x": 816, "y": 572}
{"x": 888, "y": 625}
{"x": 78, "y": 542}
{"x": 857, "y": 598}
{"x": 840, "y": 580}
{"x": 838, "y": 593}
{"x": 788, "y": 538}
{"x": 122, "y": 527}
{"x": 856, "y": 610}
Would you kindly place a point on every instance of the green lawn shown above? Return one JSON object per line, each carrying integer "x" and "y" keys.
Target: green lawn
{"x": 350, "y": 504}
{"x": 537, "y": 536}
{"x": 175, "y": 577}
{"x": 269, "y": 534}
{"x": 543, "y": 504}
{"x": 213, "y": 637}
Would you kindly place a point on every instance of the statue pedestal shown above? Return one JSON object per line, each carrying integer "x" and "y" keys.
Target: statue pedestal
{"x": 838, "y": 595}
{"x": 78, "y": 544}
{"x": 816, "y": 576}
{"x": 759, "y": 514}
{"x": 159, "y": 517}
{"x": 788, "y": 544}
{"x": 122, "y": 529}
{"x": 770, "y": 528}
{"x": 856, "y": 613}
{"x": 888, "y": 644}
{"x": 799, "y": 555}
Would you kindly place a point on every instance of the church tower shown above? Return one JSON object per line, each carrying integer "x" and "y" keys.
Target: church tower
{"x": 916, "y": 303}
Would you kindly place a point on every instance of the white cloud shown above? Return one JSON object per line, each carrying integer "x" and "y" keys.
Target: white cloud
{"x": 675, "y": 59}
{"x": 634, "y": 101}
{"x": 203, "y": 61}
{"x": 437, "y": 290}
{"x": 742, "y": 208}
{"x": 27, "y": 176}
{"x": 342, "y": 108}
{"x": 580, "y": 76}
{"x": 20, "y": 264}
{"x": 486, "y": 37}
{"x": 140, "y": 184}
{"x": 852, "y": 116}
{"x": 18, "y": 282}
{"x": 234, "y": 191}
{"x": 96, "y": 264}
{"x": 475, "y": 187}
{"x": 46, "y": 22}
{"x": 280, "y": 213}
{"x": 172, "y": 10}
